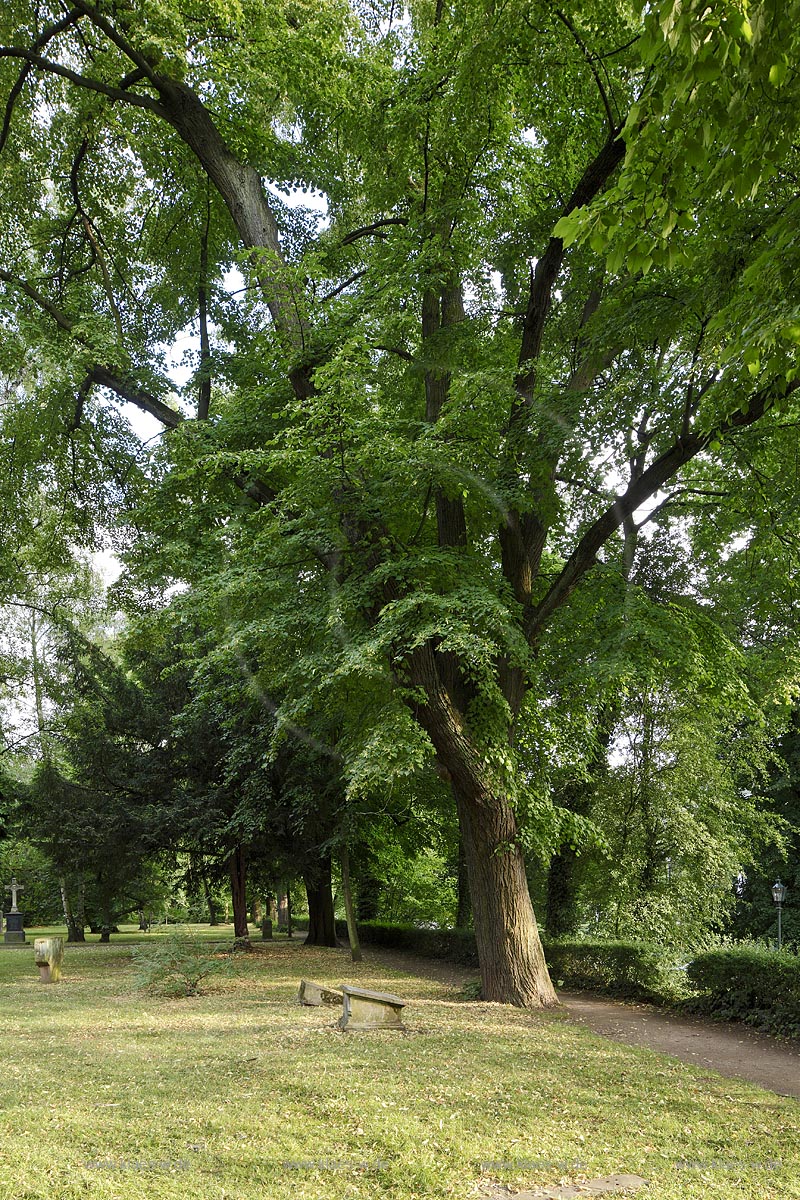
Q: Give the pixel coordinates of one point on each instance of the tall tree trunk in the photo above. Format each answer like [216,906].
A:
[289,911]
[510,954]
[211,904]
[464,909]
[321,924]
[238,873]
[352,928]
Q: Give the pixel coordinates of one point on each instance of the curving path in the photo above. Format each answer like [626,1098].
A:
[730,1049]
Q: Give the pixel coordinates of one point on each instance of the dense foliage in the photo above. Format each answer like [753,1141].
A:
[460,478]
[749,983]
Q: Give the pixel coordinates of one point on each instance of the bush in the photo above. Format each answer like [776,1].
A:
[632,970]
[628,969]
[454,945]
[749,983]
[176,964]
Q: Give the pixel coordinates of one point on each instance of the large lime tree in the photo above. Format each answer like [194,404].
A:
[438,417]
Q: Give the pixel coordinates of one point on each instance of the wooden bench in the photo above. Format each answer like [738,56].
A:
[48,953]
[314,994]
[370,1010]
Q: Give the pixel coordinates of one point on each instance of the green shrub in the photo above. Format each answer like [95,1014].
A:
[454,945]
[749,983]
[634,970]
[628,969]
[176,964]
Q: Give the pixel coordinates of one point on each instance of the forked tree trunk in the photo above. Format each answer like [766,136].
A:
[321,924]
[510,954]
[238,873]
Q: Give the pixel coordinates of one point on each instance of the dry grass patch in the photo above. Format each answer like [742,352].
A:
[240,1093]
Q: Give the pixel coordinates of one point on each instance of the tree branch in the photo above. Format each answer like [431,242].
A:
[368,230]
[44,37]
[568,23]
[84,81]
[665,467]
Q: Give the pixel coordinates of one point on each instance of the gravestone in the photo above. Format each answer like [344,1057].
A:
[49,953]
[364,1009]
[15,930]
[312,995]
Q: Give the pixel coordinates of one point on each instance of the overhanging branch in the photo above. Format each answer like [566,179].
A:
[642,489]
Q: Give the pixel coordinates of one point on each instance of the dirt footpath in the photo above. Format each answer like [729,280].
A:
[732,1050]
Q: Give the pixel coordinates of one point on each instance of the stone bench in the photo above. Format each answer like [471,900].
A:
[48,953]
[314,994]
[370,1010]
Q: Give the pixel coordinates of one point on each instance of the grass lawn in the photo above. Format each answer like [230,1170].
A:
[239,1093]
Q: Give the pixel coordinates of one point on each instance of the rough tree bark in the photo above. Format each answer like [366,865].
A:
[321,923]
[237,867]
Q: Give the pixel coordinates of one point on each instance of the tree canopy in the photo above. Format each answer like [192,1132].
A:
[438,428]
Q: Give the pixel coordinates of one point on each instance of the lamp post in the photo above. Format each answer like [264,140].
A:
[779,895]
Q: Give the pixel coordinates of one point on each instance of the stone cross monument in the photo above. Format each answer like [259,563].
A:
[15,931]
[14,888]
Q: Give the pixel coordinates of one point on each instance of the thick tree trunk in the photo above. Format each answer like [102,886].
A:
[321,924]
[238,873]
[352,928]
[510,954]
[563,913]
[464,909]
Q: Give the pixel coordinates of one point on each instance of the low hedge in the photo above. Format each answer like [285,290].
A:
[748,983]
[632,970]
[453,945]
[628,969]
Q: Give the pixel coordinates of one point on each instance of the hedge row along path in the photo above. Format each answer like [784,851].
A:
[730,1049]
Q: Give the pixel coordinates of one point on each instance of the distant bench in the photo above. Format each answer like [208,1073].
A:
[48,953]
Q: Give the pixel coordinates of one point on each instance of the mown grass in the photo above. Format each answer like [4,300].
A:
[239,1093]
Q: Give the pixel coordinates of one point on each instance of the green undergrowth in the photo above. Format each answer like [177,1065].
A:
[631,970]
[748,983]
[240,1094]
